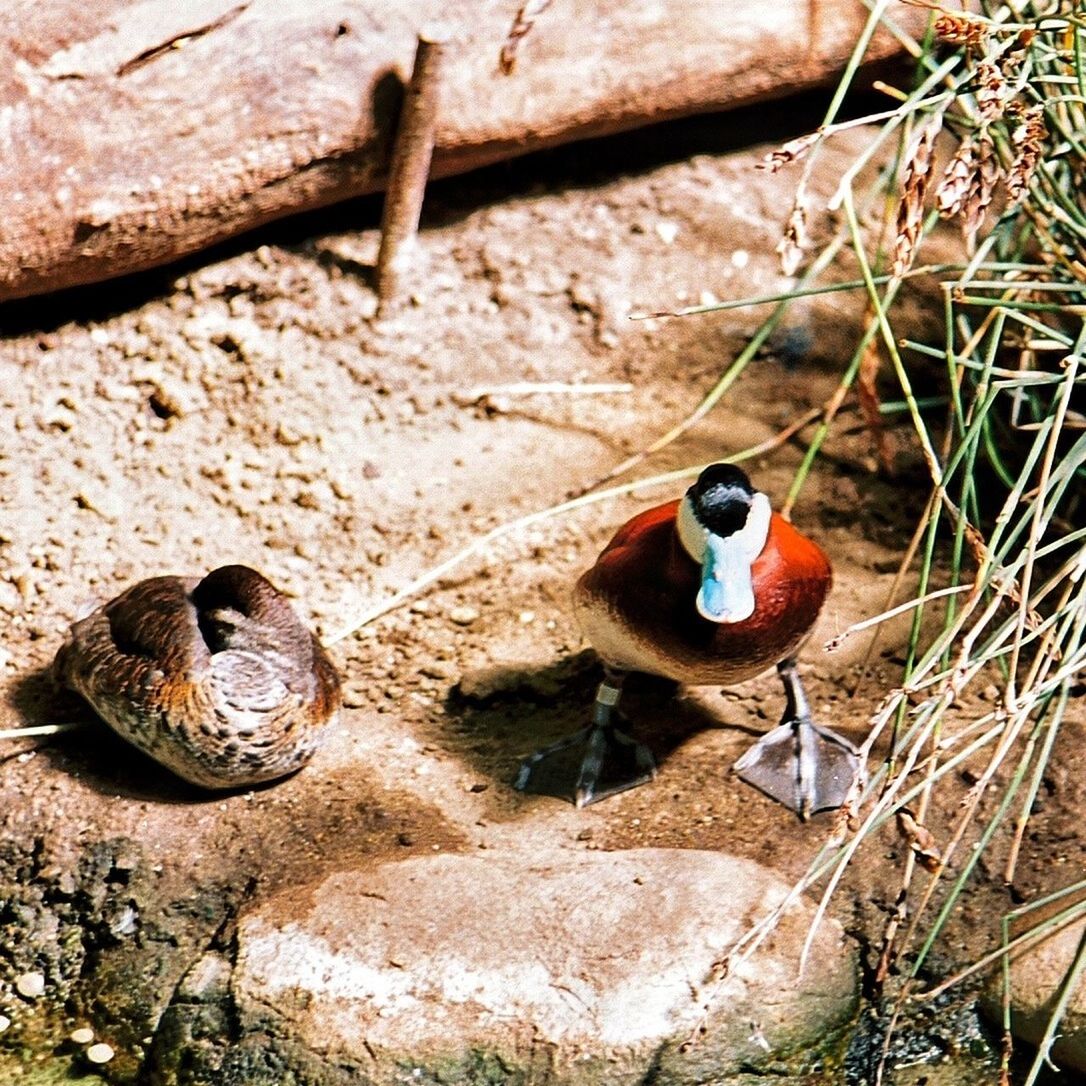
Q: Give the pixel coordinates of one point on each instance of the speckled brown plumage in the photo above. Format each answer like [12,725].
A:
[216,679]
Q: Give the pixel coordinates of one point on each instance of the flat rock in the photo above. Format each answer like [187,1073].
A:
[136,132]
[1037,976]
[568,967]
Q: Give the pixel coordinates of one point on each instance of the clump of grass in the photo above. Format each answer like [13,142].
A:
[990,137]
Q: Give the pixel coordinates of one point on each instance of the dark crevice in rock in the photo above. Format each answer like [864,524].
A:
[201,1004]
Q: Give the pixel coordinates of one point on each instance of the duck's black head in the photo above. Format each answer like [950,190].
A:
[721,499]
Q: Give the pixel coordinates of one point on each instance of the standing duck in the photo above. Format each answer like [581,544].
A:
[216,679]
[713,588]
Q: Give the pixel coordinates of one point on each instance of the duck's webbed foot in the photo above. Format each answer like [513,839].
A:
[806,767]
[595,762]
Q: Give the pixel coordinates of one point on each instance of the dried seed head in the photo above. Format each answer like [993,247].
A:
[1017,52]
[981,185]
[1028,138]
[791,247]
[920,839]
[959,29]
[915,181]
[868,392]
[951,193]
[991,91]
[523,22]
[792,151]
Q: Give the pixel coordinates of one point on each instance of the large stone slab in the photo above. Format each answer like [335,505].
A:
[565,967]
[133,132]
[1036,977]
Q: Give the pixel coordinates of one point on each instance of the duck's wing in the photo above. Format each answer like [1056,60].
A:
[156,620]
[144,639]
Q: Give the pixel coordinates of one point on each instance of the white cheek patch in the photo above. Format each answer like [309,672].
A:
[692,535]
[727,587]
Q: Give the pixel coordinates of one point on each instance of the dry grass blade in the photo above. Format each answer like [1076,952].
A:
[997,544]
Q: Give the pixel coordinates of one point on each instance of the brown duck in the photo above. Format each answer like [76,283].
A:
[713,588]
[216,679]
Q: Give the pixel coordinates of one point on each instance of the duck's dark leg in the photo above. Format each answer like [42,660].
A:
[799,763]
[610,761]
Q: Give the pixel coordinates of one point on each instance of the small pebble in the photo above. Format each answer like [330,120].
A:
[99,1053]
[463,616]
[30,985]
[82,1036]
[4,1022]
[667,231]
[439,669]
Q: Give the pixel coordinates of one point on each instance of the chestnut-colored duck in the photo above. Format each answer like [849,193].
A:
[216,679]
[711,589]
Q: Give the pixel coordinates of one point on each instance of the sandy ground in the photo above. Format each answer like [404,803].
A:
[247,408]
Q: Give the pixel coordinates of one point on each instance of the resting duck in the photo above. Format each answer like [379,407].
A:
[711,589]
[216,679]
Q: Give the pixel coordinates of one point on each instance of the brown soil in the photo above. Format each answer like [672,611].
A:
[247,408]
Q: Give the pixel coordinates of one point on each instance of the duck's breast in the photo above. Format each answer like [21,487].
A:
[637,607]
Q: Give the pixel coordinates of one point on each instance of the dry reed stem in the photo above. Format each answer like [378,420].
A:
[835,642]
[410,168]
[774,442]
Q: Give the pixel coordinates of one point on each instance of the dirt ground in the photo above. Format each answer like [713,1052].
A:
[248,407]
